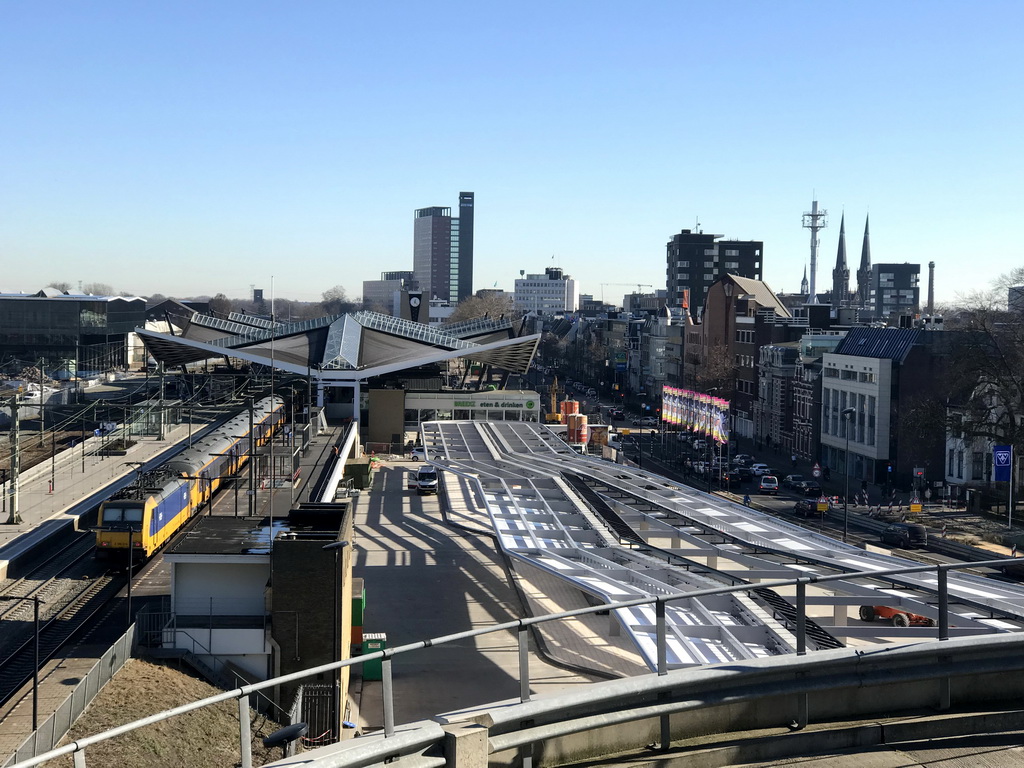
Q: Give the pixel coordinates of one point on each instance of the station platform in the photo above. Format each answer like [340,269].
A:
[51,493]
[45,514]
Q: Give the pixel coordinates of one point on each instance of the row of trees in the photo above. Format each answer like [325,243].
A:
[334,301]
[985,378]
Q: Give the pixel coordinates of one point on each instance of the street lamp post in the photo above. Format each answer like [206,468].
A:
[847,414]
[708,439]
[131,558]
[35,664]
[336,547]
[707,460]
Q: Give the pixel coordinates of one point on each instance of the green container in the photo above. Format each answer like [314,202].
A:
[358,602]
[373,642]
[360,472]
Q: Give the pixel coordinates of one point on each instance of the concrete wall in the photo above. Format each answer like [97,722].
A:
[387,415]
[236,589]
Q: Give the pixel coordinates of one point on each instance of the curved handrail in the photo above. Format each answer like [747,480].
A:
[242,694]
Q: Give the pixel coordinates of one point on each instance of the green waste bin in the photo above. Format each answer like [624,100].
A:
[372,643]
[358,602]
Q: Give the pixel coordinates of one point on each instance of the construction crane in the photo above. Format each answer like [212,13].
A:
[638,287]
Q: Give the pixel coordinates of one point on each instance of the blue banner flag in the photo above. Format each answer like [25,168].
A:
[1002,460]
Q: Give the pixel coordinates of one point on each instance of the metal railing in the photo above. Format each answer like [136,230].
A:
[52,730]
[521,627]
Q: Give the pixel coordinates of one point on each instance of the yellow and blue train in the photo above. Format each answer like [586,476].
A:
[156,508]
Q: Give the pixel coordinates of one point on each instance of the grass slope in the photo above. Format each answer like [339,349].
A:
[207,738]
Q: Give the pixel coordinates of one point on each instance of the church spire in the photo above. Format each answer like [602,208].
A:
[841,274]
[803,283]
[864,271]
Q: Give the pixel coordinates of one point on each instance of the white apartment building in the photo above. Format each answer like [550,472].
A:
[547,294]
[863,384]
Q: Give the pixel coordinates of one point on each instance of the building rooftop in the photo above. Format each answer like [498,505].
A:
[232,536]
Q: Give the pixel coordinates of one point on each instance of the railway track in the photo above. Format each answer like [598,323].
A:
[70,587]
[55,631]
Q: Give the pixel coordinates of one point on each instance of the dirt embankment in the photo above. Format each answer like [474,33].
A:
[207,737]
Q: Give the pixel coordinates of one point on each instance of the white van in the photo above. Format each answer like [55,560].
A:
[426,480]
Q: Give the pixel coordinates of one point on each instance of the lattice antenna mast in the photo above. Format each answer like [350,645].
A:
[814,221]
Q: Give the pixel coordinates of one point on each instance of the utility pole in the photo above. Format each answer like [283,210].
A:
[161,414]
[252,462]
[42,421]
[12,490]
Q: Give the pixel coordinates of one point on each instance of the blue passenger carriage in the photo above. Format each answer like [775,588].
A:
[157,509]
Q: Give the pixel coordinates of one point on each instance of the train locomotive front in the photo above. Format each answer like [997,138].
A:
[151,514]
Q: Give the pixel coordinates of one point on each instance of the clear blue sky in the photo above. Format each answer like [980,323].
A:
[201,147]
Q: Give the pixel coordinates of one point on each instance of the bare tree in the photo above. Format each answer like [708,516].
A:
[61,285]
[221,305]
[986,387]
[493,305]
[717,372]
[98,289]
[336,301]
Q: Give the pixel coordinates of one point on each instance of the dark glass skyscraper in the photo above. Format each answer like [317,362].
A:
[696,260]
[443,250]
[465,245]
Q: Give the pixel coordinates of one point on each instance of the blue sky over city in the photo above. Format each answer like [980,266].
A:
[193,148]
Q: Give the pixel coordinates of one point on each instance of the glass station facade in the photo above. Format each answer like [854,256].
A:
[90,331]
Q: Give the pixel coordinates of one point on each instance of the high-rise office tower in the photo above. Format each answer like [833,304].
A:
[696,260]
[465,245]
[442,258]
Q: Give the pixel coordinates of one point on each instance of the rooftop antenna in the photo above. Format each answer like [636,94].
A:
[814,221]
[696,225]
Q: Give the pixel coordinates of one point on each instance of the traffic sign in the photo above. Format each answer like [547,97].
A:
[816,471]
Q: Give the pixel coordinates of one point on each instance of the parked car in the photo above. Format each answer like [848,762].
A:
[419,453]
[791,481]
[769,484]
[646,421]
[745,474]
[742,460]
[806,508]
[591,392]
[761,469]
[700,445]
[735,477]
[905,535]
[808,488]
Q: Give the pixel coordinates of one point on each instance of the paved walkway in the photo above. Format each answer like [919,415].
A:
[425,578]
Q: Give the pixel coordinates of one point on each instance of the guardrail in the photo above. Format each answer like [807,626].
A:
[935,543]
[521,627]
[52,730]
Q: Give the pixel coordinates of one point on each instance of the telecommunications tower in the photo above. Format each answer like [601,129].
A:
[814,221]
